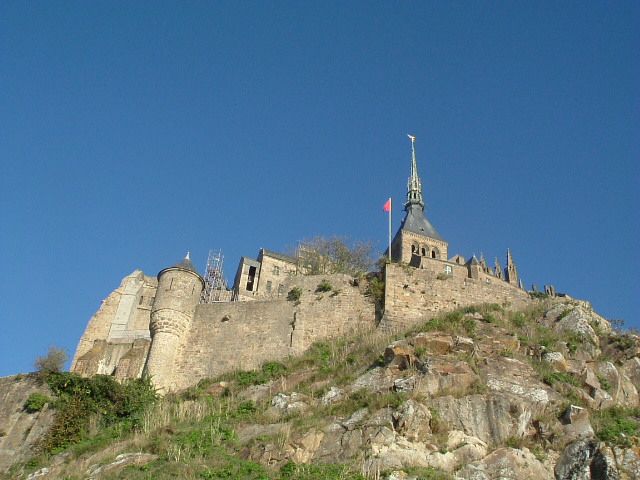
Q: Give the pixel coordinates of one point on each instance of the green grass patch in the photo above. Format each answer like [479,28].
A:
[616,425]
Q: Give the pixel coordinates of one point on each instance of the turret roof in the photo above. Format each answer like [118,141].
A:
[186,264]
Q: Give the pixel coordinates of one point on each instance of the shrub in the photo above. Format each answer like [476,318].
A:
[294,294]
[36,402]
[375,290]
[324,286]
[116,406]
[538,295]
[52,362]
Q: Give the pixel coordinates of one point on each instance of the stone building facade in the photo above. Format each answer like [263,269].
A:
[159,327]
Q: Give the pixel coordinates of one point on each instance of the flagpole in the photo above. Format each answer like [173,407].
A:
[390,205]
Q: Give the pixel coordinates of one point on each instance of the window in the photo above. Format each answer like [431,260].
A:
[280,290]
[276,270]
[424,252]
[269,286]
[250,278]
[448,270]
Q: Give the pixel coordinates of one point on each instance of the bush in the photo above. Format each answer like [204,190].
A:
[53,362]
[36,402]
[294,294]
[115,405]
[324,286]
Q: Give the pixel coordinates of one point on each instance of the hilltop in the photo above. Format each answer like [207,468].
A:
[481,392]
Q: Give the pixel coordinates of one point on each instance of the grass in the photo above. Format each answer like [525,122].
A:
[617,425]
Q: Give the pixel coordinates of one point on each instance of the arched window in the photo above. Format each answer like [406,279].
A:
[413,249]
[435,253]
[424,252]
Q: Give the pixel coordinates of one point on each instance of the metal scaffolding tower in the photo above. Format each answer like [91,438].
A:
[215,285]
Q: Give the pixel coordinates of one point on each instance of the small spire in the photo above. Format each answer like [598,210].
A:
[188,255]
[414,185]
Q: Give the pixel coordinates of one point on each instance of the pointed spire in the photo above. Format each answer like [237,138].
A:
[414,185]
[498,269]
[511,271]
[188,255]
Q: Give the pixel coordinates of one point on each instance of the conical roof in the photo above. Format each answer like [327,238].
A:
[415,221]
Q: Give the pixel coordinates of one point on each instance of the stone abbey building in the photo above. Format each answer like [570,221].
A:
[159,326]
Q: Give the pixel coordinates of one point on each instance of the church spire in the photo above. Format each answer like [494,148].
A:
[414,185]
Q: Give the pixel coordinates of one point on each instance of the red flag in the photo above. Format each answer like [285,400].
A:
[387,206]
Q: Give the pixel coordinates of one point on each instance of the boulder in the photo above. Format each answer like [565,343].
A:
[491,418]
[295,402]
[434,343]
[556,360]
[399,355]
[507,464]
[515,378]
[412,420]
[586,460]
[576,423]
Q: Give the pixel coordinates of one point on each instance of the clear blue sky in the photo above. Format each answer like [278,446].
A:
[133,131]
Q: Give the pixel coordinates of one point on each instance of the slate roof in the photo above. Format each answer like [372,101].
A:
[186,264]
[415,221]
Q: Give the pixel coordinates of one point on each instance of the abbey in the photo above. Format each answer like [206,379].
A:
[172,328]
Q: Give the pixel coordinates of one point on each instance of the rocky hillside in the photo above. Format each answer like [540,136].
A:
[480,393]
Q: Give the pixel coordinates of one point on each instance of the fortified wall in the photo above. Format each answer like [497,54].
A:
[222,336]
[167,328]
[417,294]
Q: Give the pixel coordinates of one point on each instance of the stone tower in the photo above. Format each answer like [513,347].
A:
[178,294]
[416,237]
[511,272]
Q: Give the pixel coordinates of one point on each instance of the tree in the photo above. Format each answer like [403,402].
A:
[321,255]
[53,362]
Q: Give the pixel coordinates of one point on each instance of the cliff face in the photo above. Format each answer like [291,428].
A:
[19,428]
[548,392]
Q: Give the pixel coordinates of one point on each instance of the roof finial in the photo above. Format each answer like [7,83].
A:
[188,255]
[414,186]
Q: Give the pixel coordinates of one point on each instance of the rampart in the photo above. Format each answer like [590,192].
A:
[414,294]
[243,335]
[225,336]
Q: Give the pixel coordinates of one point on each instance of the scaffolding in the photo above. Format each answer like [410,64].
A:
[215,285]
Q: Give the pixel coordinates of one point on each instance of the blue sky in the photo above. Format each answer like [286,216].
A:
[131,132]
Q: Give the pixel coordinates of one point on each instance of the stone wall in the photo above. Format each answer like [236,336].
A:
[243,335]
[413,294]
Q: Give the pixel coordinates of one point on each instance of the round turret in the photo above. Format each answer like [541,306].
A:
[178,294]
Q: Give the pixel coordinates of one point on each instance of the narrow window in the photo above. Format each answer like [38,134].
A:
[250,278]
[280,290]
[276,270]
[433,254]
[269,286]
[424,252]
[141,300]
